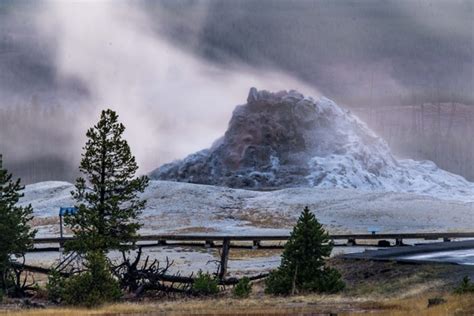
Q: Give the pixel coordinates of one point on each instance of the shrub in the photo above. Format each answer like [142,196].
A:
[329,281]
[435,301]
[303,266]
[466,286]
[55,286]
[243,288]
[94,286]
[205,284]
[16,235]
[278,282]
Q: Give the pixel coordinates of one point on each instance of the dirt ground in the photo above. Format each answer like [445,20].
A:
[378,288]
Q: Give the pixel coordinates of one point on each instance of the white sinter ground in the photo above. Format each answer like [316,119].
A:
[175,207]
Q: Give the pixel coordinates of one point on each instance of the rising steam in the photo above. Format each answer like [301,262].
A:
[172,102]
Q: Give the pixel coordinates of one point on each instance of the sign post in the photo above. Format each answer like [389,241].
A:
[374,230]
[64,211]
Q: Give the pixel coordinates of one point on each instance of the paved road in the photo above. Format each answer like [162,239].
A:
[442,252]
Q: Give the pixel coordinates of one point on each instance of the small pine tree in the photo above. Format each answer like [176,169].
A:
[55,286]
[303,265]
[466,286]
[108,202]
[93,287]
[16,235]
[205,284]
[243,288]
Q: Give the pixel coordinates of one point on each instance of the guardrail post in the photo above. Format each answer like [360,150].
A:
[351,242]
[399,242]
[256,244]
[208,243]
[61,226]
[162,242]
[61,234]
[224,258]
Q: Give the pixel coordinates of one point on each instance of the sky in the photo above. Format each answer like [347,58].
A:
[175,70]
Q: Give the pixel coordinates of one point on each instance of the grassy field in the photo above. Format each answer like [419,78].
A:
[372,287]
[302,305]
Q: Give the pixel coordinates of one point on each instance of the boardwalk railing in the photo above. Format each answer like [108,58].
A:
[231,241]
[209,240]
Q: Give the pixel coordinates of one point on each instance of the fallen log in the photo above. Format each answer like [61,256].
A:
[36,269]
[233,281]
[190,280]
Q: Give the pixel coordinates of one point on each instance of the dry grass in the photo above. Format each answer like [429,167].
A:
[43,221]
[309,304]
[200,229]
[239,254]
[418,305]
[262,219]
[115,309]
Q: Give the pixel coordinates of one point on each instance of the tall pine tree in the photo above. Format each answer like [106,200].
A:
[108,203]
[16,235]
[303,265]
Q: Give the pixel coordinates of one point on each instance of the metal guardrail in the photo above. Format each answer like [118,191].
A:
[212,238]
[187,240]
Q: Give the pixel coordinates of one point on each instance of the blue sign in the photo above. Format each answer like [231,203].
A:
[373,230]
[67,211]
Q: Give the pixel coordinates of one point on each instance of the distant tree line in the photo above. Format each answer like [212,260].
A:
[442,132]
[36,141]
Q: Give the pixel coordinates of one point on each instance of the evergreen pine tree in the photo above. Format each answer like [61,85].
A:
[16,236]
[303,265]
[107,198]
